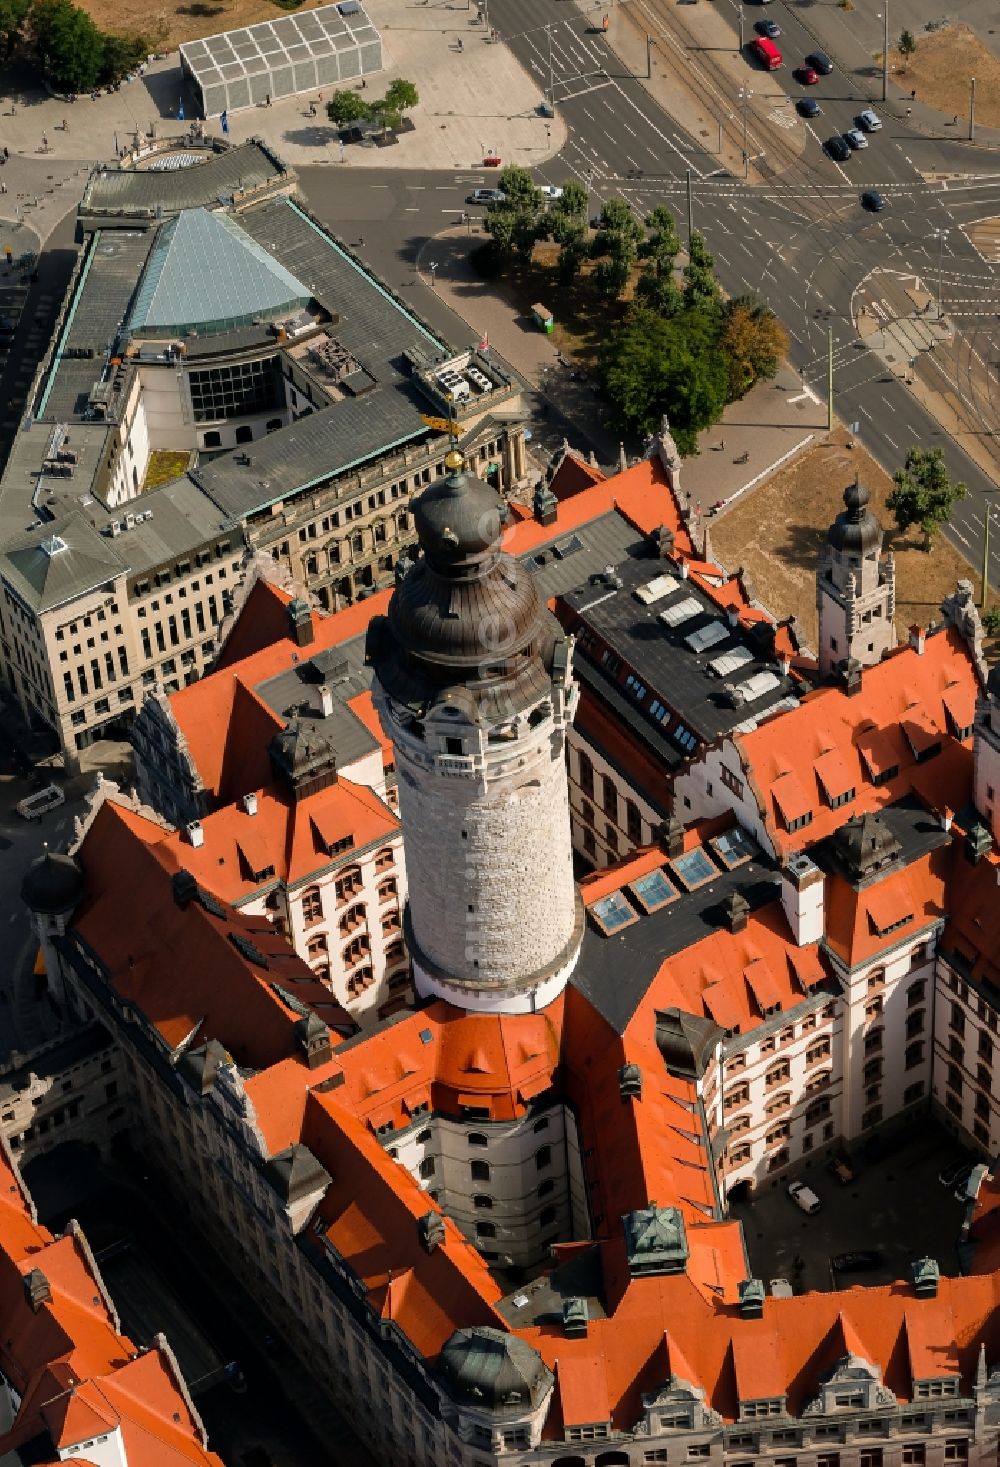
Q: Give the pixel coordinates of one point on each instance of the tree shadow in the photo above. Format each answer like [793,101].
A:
[318,136]
[801,547]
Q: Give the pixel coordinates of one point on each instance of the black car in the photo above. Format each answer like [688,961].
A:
[873,200]
[838,148]
[820,61]
[808,107]
[858,1262]
[769,28]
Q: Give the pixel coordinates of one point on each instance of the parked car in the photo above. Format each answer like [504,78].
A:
[856,138]
[804,1197]
[33,807]
[838,149]
[820,61]
[769,28]
[869,120]
[807,75]
[841,1169]
[486,196]
[808,107]
[549,191]
[873,200]
[860,1261]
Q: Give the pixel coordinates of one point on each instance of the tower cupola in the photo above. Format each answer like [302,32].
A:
[855,587]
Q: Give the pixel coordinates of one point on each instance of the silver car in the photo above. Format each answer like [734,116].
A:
[856,138]
[870,121]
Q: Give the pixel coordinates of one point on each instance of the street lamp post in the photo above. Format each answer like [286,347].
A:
[972,109]
[942,235]
[432,267]
[741,27]
[552,85]
[745,94]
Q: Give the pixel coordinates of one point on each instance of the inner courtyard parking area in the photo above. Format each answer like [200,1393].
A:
[895,1207]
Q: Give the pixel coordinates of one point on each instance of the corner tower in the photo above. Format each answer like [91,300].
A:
[855,587]
[473,686]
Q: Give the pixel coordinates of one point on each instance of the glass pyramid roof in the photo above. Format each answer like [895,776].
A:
[205,272]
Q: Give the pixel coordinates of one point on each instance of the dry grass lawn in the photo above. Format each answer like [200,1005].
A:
[941,68]
[168,22]
[776,532]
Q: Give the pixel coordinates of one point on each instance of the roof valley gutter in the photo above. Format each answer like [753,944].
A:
[56,356]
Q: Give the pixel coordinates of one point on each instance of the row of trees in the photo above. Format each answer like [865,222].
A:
[681,348]
[74,54]
[386,112]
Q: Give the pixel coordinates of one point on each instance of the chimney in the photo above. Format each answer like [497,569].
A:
[196,833]
[630,1082]
[802,899]
[430,1229]
[576,1318]
[36,1288]
[250,802]
[671,835]
[544,504]
[314,1038]
[662,541]
[733,616]
[736,912]
[185,887]
[849,676]
[978,843]
[684,568]
[926,1274]
[301,622]
[784,664]
[752,1299]
[918,636]
[325,701]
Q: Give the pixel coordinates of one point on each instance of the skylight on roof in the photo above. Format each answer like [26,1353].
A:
[653,891]
[693,868]
[54,545]
[733,847]
[425,1036]
[674,616]
[728,662]
[656,589]
[707,636]
[613,913]
[569,546]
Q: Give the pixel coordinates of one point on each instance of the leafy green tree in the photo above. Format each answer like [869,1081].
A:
[121,55]
[658,291]
[656,286]
[574,248]
[516,223]
[572,202]
[753,342]
[13,14]
[651,365]
[612,276]
[991,621]
[907,43]
[701,289]
[924,493]
[663,241]
[402,96]
[618,232]
[347,107]
[70,46]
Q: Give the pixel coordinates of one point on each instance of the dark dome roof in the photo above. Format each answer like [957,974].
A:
[466,615]
[855,531]
[495,1371]
[52,884]
[458,518]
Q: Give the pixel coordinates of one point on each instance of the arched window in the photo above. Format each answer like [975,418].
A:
[586,775]
[546,1216]
[312,904]
[387,889]
[356,950]
[486,1230]
[348,883]
[317,945]
[244,434]
[482,1201]
[384,858]
[360,980]
[352,919]
[479,1170]
[476,1138]
[541,1125]
[543,1158]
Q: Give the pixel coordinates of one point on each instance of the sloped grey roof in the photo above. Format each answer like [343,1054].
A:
[48,578]
[127,190]
[205,271]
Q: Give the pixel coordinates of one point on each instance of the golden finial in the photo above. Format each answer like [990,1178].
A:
[453,460]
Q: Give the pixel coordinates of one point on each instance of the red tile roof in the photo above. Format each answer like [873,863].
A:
[832,743]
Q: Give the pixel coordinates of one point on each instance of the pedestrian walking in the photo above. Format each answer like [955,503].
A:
[45,141]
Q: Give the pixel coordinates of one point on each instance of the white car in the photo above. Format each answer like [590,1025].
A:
[804,1197]
[870,121]
[549,191]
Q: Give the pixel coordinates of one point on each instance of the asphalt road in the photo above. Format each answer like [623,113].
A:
[800,238]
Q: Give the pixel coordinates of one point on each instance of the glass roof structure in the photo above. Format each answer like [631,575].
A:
[205,273]
[278,58]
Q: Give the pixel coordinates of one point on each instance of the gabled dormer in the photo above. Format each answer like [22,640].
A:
[852,1382]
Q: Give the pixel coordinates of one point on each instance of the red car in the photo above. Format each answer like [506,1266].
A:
[807,76]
